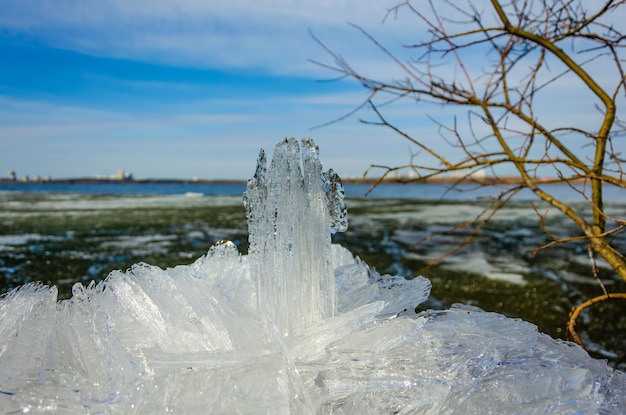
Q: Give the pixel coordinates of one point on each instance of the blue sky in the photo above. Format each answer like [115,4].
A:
[178,89]
[191,88]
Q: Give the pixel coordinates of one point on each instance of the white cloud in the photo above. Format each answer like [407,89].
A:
[271,35]
[43,139]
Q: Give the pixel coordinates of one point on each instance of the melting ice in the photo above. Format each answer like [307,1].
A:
[296,326]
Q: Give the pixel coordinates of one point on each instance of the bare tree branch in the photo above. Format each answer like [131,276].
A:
[530,47]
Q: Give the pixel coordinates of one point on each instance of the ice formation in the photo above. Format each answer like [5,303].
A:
[296,326]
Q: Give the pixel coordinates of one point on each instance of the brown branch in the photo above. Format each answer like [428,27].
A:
[594,268]
[503,93]
[556,240]
[490,210]
[408,137]
[571,323]
[594,87]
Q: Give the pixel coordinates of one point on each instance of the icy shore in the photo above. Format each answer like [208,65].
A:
[297,326]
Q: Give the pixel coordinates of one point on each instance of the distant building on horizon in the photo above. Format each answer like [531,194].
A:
[122,175]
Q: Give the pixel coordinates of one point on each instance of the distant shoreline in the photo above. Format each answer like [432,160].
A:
[87,180]
[372,181]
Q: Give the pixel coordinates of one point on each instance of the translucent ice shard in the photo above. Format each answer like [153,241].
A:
[292,208]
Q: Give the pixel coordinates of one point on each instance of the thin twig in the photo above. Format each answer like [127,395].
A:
[571,323]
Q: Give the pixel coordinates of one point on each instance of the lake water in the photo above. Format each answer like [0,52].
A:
[422,191]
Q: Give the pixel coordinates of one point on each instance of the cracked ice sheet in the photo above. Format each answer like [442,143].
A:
[8,241]
[507,269]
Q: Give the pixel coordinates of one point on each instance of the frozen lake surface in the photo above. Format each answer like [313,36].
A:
[64,238]
[298,325]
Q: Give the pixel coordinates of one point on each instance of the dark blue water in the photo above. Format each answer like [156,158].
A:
[421,191]
[463,192]
[129,188]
